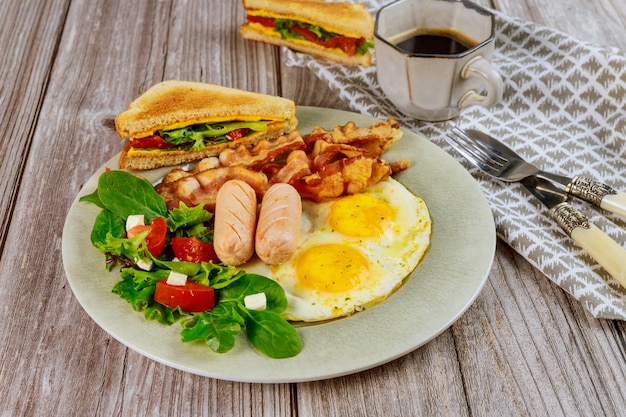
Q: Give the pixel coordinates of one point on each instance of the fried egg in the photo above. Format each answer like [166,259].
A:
[353,252]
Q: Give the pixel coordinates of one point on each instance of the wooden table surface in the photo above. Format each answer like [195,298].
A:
[524,347]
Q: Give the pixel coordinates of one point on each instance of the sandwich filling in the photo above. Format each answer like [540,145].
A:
[198,136]
[293,29]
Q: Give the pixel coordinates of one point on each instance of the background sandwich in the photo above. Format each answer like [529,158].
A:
[337,31]
[177,122]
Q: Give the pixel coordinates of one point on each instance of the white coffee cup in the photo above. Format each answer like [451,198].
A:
[427,82]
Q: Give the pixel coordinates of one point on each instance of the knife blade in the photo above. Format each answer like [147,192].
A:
[604,250]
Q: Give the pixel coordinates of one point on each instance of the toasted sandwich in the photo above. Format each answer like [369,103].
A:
[337,31]
[178,122]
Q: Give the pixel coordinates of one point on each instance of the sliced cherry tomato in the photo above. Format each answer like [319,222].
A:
[265,21]
[348,45]
[156,238]
[306,33]
[192,249]
[191,297]
[155,142]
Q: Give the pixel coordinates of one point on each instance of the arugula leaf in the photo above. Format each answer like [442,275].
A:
[125,194]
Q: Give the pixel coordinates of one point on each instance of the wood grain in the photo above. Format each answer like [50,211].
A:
[524,347]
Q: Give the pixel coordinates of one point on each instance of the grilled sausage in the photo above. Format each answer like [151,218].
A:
[278,228]
[235,222]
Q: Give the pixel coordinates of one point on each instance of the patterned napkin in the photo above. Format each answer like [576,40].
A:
[564,109]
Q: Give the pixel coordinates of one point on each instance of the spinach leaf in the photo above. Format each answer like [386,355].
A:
[218,328]
[272,335]
[186,268]
[92,198]
[125,194]
[268,332]
[107,224]
[252,284]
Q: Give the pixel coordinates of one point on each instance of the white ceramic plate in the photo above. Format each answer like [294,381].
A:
[433,297]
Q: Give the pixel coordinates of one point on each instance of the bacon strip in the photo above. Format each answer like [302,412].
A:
[375,139]
[201,188]
[263,152]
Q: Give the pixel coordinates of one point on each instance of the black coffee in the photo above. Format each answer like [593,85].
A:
[435,42]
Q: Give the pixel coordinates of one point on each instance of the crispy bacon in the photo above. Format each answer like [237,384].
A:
[201,188]
[263,152]
[323,164]
[343,177]
[375,139]
[296,167]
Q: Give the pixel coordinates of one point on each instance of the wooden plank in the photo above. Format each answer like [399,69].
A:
[599,22]
[28,39]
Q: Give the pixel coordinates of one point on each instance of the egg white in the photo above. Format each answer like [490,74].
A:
[390,255]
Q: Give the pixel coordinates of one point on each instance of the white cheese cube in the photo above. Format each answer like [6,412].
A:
[134,220]
[176,278]
[256,301]
[145,264]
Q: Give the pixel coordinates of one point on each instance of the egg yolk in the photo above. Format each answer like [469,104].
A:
[331,268]
[360,215]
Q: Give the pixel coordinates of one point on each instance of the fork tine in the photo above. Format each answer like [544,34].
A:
[481,147]
[476,152]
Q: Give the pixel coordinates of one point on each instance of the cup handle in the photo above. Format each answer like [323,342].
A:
[480,67]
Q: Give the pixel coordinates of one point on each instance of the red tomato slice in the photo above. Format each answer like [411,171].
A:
[306,33]
[346,44]
[156,238]
[155,141]
[265,21]
[192,249]
[191,297]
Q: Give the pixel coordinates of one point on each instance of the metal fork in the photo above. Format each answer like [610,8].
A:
[499,161]
[496,159]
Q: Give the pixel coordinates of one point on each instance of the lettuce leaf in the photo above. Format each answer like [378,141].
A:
[198,136]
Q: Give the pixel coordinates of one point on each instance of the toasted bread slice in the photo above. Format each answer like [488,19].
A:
[175,104]
[347,19]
